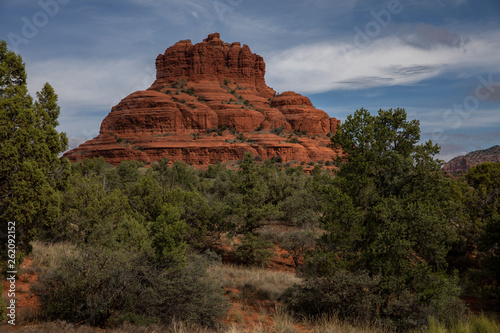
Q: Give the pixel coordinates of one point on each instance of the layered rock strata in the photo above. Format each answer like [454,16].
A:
[209,104]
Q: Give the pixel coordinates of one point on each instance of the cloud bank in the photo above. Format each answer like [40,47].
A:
[386,61]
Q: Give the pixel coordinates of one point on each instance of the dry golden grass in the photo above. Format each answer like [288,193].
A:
[283,323]
[49,255]
[259,282]
[331,324]
[264,283]
[476,324]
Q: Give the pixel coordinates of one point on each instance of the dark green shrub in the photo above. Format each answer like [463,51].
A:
[301,208]
[88,287]
[90,212]
[98,283]
[254,251]
[178,84]
[89,167]
[276,159]
[241,137]
[188,294]
[348,295]
[299,132]
[360,297]
[277,130]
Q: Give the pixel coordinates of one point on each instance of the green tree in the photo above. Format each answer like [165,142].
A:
[254,250]
[297,243]
[484,228]
[253,206]
[388,215]
[29,147]
[90,167]
[124,176]
[204,219]
[90,212]
[148,197]
[167,236]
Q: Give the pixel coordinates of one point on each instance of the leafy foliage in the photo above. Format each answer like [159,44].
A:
[252,206]
[388,215]
[30,172]
[297,243]
[98,283]
[485,222]
[254,251]
[348,294]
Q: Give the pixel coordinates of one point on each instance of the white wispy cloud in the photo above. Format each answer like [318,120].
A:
[386,61]
[180,12]
[87,89]
[91,82]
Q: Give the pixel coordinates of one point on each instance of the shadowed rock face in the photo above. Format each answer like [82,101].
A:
[465,162]
[210,103]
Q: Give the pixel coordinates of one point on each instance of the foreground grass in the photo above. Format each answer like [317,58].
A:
[244,284]
[475,324]
[283,323]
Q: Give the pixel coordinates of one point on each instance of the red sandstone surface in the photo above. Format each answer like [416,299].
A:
[465,162]
[210,103]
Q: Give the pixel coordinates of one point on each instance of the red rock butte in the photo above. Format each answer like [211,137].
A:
[210,103]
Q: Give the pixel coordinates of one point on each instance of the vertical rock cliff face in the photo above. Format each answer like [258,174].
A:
[212,60]
[210,103]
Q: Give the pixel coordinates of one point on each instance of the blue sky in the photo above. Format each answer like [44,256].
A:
[438,59]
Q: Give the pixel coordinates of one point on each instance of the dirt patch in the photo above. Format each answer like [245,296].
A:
[26,303]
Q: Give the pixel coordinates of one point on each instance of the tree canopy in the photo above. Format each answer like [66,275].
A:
[388,222]
[29,147]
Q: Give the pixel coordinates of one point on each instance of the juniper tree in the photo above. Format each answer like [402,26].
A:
[30,170]
[388,223]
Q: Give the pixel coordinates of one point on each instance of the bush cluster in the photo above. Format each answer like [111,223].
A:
[138,231]
[100,285]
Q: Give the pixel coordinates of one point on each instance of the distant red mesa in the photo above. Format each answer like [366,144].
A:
[210,103]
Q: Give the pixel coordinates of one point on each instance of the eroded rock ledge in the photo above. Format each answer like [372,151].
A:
[210,103]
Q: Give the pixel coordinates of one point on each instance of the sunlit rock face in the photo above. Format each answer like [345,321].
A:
[210,103]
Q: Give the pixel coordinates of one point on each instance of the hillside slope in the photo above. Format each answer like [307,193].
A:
[465,162]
